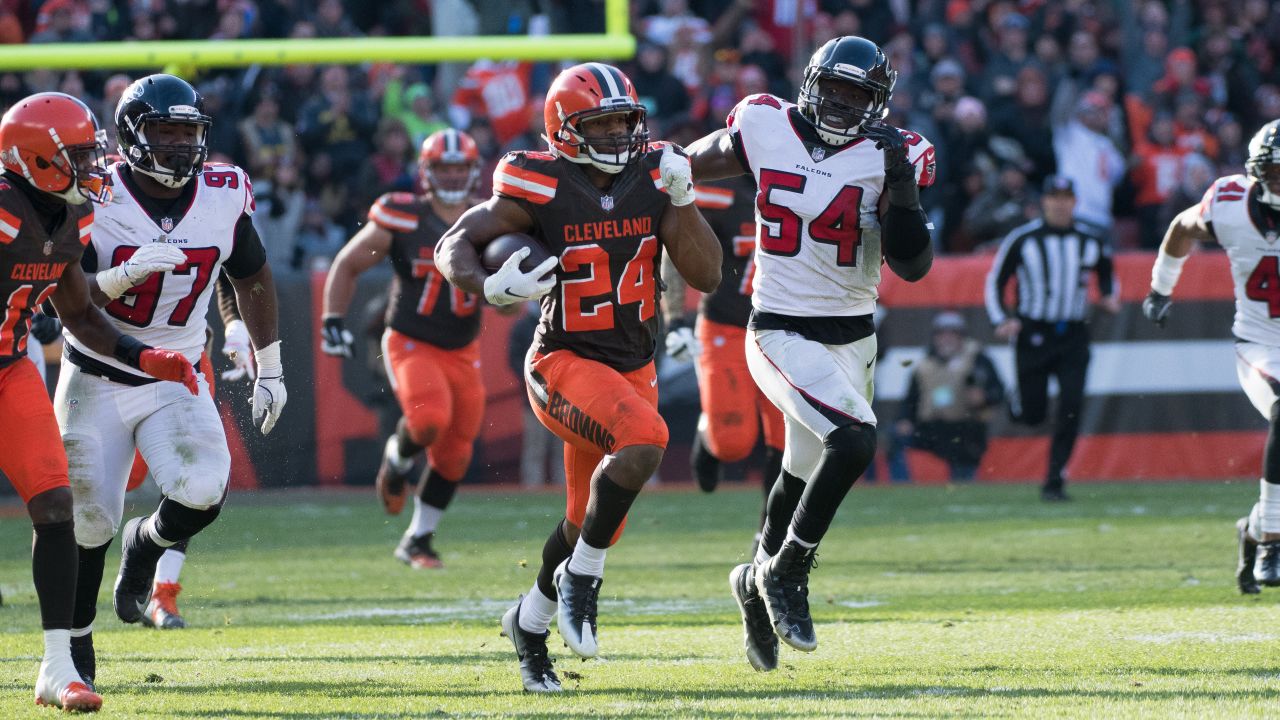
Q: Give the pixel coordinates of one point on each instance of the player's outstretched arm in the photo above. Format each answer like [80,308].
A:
[713,157]
[458,252]
[91,327]
[1184,232]
[366,249]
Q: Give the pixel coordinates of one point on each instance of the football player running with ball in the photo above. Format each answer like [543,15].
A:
[54,158]
[430,346]
[838,190]
[605,203]
[173,224]
[1242,214]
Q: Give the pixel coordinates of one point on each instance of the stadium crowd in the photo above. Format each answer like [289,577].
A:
[1142,104]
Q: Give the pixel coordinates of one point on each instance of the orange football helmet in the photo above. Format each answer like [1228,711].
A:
[449,147]
[587,91]
[53,140]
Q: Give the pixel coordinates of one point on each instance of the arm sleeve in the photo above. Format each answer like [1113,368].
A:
[247,253]
[226,300]
[905,239]
[1005,265]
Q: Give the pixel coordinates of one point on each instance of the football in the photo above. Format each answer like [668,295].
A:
[501,248]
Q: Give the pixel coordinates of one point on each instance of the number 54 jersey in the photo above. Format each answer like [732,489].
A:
[210,222]
[1242,226]
[817,210]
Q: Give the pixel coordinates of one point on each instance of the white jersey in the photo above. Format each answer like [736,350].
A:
[1254,253]
[168,309]
[817,211]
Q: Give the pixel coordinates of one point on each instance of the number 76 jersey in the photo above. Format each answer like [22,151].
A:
[168,309]
[817,210]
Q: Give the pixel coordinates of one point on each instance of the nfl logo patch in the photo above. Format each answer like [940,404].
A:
[606,202]
[166,224]
[818,153]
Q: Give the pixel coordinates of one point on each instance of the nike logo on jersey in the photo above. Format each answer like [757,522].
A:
[653,382]
[871,362]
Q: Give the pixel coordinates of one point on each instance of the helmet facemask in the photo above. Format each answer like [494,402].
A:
[839,123]
[183,161]
[449,189]
[609,154]
[1264,167]
[87,165]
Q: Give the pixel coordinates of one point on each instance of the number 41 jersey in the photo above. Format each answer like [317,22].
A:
[1241,225]
[205,221]
[817,209]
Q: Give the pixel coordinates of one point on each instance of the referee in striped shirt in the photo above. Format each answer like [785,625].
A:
[1052,259]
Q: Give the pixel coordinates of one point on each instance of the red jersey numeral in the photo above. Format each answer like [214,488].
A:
[838,224]
[201,262]
[461,303]
[219,179]
[137,306]
[588,301]
[18,303]
[1264,284]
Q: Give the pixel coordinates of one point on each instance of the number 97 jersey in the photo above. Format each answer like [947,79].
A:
[209,222]
[817,210]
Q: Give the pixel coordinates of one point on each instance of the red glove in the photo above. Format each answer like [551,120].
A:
[168,365]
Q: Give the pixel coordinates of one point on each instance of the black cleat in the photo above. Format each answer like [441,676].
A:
[1245,580]
[706,467]
[536,668]
[760,640]
[1054,495]
[83,657]
[783,584]
[133,584]
[576,610]
[417,553]
[1267,567]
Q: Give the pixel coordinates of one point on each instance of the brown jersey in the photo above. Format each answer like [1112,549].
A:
[729,207]
[32,260]
[604,304]
[423,305]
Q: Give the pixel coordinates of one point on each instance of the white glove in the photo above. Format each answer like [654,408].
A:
[269,395]
[682,344]
[236,346]
[150,258]
[677,175]
[510,285]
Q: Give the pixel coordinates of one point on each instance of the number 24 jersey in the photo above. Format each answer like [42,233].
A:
[817,209]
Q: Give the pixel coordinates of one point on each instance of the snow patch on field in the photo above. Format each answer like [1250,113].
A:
[1203,636]
[481,609]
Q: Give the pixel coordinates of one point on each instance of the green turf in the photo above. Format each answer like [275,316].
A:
[931,602]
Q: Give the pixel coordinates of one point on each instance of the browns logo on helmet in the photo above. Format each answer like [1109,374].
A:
[587,91]
[449,165]
[53,140]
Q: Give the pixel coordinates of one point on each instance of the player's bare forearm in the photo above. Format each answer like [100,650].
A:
[82,318]
[256,298]
[692,245]
[98,297]
[458,252]
[365,250]
[713,158]
[1187,229]
[674,294]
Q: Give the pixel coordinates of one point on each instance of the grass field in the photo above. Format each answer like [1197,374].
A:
[976,601]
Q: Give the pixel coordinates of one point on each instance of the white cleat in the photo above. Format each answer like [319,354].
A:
[576,610]
[537,670]
[60,686]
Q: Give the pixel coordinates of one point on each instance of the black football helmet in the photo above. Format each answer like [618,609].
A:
[167,99]
[854,60]
[1263,164]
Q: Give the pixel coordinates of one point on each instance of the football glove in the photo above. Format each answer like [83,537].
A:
[335,338]
[1155,307]
[236,346]
[149,259]
[269,395]
[682,344]
[168,365]
[44,328]
[899,173]
[510,285]
[677,175]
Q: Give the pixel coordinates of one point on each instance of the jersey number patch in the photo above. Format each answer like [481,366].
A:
[1264,284]
[588,302]
[462,304]
[837,225]
[137,306]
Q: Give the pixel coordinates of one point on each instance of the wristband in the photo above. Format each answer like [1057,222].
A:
[268,359]
[1166,271]
[129,350]
[113,282]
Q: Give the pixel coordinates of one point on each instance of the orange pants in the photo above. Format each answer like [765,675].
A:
[730,399]
[442,397]
[138,472]
[595,410]
[31,452]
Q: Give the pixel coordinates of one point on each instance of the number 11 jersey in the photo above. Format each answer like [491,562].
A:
[817,210]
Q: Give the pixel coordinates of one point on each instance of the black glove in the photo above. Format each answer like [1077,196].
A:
[335,339]
[44,328]
[899,173]
[1156,308]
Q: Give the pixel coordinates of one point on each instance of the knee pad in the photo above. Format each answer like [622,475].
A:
[730,443]
[177,522]
[202,494]
[853,444]
[94,525]
[424,423]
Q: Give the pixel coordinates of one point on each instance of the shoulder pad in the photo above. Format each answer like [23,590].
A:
[524,175]
[393,212]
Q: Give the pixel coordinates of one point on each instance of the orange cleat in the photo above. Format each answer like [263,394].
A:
[59,686]
[416,552]
[162,612]
[392,480]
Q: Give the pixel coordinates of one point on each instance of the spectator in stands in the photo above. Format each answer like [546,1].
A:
[662,94]
[1089,158]
[1157,167]
[62,21]
[1006,204]
[412,104]
[280,201]
[953,395]
[387,169]
[1012,54]
[339,122]
[1025,119]
[1197,173]
[498,91]
[332,22]
[266,140]
[675,16]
